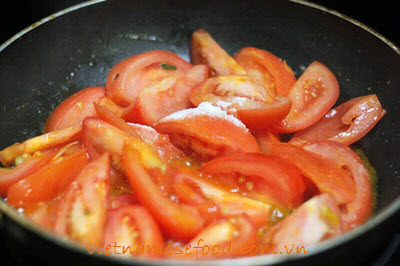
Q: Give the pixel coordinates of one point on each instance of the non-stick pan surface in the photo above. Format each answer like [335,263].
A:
[76,48]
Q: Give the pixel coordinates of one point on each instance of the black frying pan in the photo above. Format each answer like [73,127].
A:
[75,49]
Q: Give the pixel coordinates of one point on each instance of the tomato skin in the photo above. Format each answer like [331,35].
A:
[237,233]
[314,221]
[324,173]
[360,209]
[205,50]
[267,70]
[133,219]
[171,94]
[178,221]
[283,182]
[207,132]
[346,123]
[26,168]
[74,109]
[130,76]
[82,211]
[47,182]
[312,95]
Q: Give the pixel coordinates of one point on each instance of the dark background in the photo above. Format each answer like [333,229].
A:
[379,15]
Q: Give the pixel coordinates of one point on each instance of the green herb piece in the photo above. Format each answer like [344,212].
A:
[168,67]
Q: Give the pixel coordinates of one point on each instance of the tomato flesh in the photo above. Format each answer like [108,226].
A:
[171,94]
[205,50]
[324,173]
[74,109]
[346,123]
[178,221]
[360,209]
[47,182]
[312,95]
[82,211]
[130,227]
[207,132]
[130,76]
[283,183]
[267,70]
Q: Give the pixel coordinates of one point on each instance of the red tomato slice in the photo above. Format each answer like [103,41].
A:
[205,50]
[207,132]
[99,137]
[39,143]
[47,182]
[176,220]
[264,138]
[266,69]
[312,95]
[129,77]
[314,221]
[228,203]
[230,237]
[243,98]
[133,226]
[29,165]
[360,209]
[325,174]
[281,181]
[346,123]
[171,94]
[74,109]
[82,210]
[228,86]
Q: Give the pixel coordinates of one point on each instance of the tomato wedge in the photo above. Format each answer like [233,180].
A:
[274,178]
[176,220]
[207,132]
[48,182]
[266,69]
[130,76]
[28,166]
[346,123]
[82,211]
[245,99]
[74,109]
[324,173]
[39,143]
[171,94]
[205,50]
[134,230]
[360,209]
[228,203]
[312,95]
[229,237]
[225,86]
[99,137]
[314,221]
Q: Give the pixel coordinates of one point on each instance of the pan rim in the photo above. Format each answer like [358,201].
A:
[376,220]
